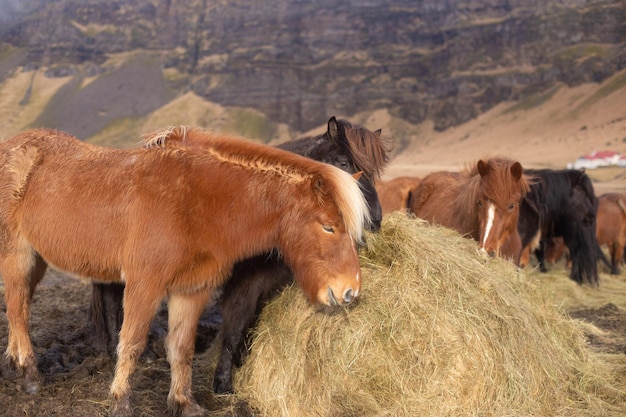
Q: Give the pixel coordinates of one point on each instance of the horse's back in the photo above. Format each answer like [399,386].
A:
[432,198]
[394,193]
[54,206]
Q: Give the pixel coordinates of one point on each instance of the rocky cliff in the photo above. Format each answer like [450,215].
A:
[298,61]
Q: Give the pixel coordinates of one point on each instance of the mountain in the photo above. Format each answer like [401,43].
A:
[270,70]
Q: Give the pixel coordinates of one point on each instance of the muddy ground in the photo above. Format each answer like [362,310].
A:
[77,377]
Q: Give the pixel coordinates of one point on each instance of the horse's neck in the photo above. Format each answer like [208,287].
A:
[248,209]
[465,205]
[304,146]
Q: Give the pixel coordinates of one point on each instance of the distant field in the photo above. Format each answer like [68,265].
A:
[608,179]
[607,173]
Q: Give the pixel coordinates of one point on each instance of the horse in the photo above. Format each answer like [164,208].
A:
[555,249]
[255,281]
[168,222]
[394,194]
[562,203]
[481,202]
[611,226]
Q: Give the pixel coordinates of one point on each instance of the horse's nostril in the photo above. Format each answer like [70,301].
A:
[331,297]
[492,254]
[348,296]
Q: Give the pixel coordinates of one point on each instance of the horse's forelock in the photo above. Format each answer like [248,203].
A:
[369,150]
[500,179]
[350,202]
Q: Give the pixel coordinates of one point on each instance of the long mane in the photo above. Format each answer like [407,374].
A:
[467,190]
[368,150]
[262,158]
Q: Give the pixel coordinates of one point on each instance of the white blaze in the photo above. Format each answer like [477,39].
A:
[491,212]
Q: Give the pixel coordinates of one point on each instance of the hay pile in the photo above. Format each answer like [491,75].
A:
[438,331]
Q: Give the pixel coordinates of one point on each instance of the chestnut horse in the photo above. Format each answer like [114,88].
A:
[611,226]
[167,222]
[394,194]
[256,280]
[481,202]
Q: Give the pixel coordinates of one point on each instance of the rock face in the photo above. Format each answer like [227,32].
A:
[299,61]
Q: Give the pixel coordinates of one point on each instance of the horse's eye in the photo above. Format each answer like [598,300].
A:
[480,203]
[328,228]
[511,207]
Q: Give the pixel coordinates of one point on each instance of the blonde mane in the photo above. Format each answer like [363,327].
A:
[292,167]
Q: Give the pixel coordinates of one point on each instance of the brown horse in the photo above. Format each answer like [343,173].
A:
[611,226]
[168,222]
[394,194]
[481,202]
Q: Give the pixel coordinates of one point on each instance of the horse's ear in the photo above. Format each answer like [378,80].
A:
[357,175]
[378,132]
[333,128]
[517,170]
[483,168]
[579,177]
[319,188]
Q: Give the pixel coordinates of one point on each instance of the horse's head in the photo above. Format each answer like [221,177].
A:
[353,148]
[502,186]
[319,237]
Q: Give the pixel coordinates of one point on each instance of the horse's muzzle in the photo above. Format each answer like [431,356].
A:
[348,296]
[489,253]
[374,226]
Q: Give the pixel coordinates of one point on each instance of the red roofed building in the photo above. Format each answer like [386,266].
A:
[598,159]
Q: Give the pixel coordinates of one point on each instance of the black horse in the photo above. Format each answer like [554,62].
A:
[256,280]
[562,203]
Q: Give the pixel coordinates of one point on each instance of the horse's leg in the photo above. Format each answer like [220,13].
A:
[540,253]
[524,257]
[102,323]
[253,282]
[114,313]
[96,322]
[616,253]
[36,275]
[184,312]
[140,306]
[22,271]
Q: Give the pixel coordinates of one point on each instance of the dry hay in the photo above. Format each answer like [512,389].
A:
[438,331]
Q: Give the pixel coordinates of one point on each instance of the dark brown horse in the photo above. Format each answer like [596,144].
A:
[394,194]
[254,281]
[481,202]
[562,203]
[168,221]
